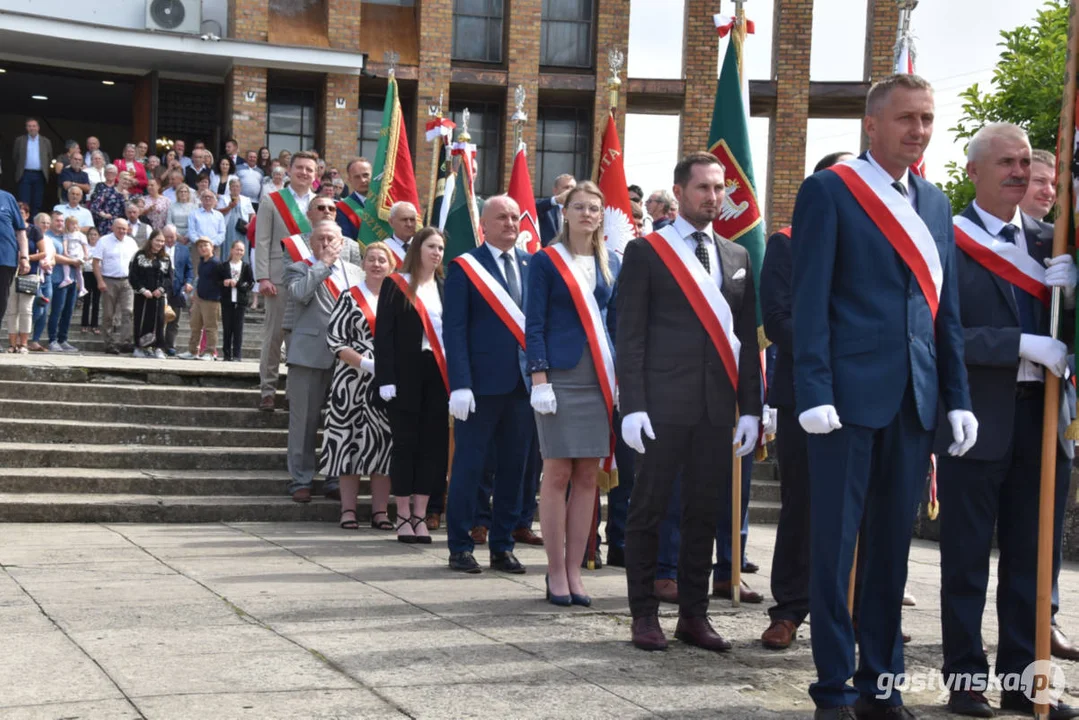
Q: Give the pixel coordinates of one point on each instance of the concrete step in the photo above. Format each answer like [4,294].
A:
[766,490]
[138,508]
[206,483]
[111,369]
[108,411]
[222,459]
[94,344]
[127,396]
[763,513]
[94,432]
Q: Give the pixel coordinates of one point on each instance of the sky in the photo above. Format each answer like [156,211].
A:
[952,60]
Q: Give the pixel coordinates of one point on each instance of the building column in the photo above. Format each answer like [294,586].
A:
[338,125]
[612,33]
[245,106]
[882,25]
[249,20]
[436,46]
[700,58]
[343,24]
[523,56]
[791,48]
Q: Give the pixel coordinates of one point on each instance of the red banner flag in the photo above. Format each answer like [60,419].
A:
[521,190]
[618,215]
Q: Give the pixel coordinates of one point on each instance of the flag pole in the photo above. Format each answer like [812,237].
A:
[434,111]
[1062,227]
[738,38]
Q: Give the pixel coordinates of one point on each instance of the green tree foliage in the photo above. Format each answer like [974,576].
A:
[1026,91]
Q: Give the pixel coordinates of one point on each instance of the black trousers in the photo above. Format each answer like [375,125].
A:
[421,438]
[91,302]
[7,276]
[232,327]
[148,316]
[790,562]
[701,455]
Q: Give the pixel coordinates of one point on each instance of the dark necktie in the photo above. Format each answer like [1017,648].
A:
[1024,301]
[702,251]
[511,278]
[900,188]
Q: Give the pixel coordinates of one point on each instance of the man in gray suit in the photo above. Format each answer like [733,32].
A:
[310,362]
[33,160]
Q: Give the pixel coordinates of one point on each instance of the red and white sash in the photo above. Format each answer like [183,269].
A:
[900,223]
[396,253]
[368,303]
[298,251]
[432,326]
[496,296]
[703,294]
[592,322]
[1005,260]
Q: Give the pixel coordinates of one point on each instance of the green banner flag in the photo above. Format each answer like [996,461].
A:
[461,232]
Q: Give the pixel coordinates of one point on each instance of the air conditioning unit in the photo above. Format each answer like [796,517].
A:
[177,16]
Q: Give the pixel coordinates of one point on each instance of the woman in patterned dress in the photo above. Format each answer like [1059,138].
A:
[356,439]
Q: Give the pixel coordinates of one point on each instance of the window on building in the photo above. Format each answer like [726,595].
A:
[477,30]
[564,138]
[290,120]
[369,122]
[566,34]
[485,128]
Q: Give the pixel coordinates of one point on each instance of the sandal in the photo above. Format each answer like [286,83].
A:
[381,524]
[410,539]
[349,524]
[415,522]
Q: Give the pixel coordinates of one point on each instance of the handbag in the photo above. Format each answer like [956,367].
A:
[27,284]
[241,226]
[170,314]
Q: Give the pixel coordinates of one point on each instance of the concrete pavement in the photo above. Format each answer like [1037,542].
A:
[302,620]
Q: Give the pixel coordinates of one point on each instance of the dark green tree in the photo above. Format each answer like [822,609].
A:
[1027,91]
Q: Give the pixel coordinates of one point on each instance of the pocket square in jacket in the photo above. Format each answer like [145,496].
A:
[739,274]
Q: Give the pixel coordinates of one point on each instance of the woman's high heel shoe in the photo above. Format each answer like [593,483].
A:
[583,600]
[560,600]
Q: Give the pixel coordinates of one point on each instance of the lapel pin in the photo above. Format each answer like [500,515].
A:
[739,274]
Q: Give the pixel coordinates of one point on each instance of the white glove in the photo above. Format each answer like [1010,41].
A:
[964,431]
[632,427]
[462,402]
[543,400]
[770,419]
[1061,273]
[1046,351]
[388,392]
[820,420]
[367,364]
[745,435]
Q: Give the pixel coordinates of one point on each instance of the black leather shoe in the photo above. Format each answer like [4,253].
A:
[464,562]
[616,556]
[750,567]
[507,562]
[969,703]
[865,710]
[845,712]
[1015,701]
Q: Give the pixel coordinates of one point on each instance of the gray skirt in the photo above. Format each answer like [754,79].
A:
[580,427]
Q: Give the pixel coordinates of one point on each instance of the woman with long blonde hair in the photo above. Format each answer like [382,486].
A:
[568,392]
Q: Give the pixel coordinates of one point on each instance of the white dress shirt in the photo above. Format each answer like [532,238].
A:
[33,153]
[1028,371]
[398,246]
[911,192]
[497,254]
[302,200]
[685,231]
[115,255]
[428,294]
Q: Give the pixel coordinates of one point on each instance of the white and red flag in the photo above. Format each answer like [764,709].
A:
[520,189]
[617,215]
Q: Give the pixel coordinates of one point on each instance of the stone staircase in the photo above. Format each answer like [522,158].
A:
[95,438]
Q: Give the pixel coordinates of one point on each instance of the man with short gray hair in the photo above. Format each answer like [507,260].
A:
[658,206]
[403,219]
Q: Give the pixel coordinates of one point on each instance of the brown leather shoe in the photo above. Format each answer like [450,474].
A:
[779,635]
[723,590]
[906,636]
[526,536]
[479,535]
[303,495]
[1061,646]
[666,591]
[647,634]
[698,631]
[266,404]
[433,520]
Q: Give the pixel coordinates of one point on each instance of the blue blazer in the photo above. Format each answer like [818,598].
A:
[347,228]
[182,272]
[548,213]
[861,327]
[481,352]
[554,336]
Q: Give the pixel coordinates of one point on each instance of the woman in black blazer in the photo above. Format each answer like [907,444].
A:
[409,372]
[236,281]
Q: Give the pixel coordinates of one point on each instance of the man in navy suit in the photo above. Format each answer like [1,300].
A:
[488,397]
[878,347]
[995,486]
[550,209]
[182,275]
[359,179]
